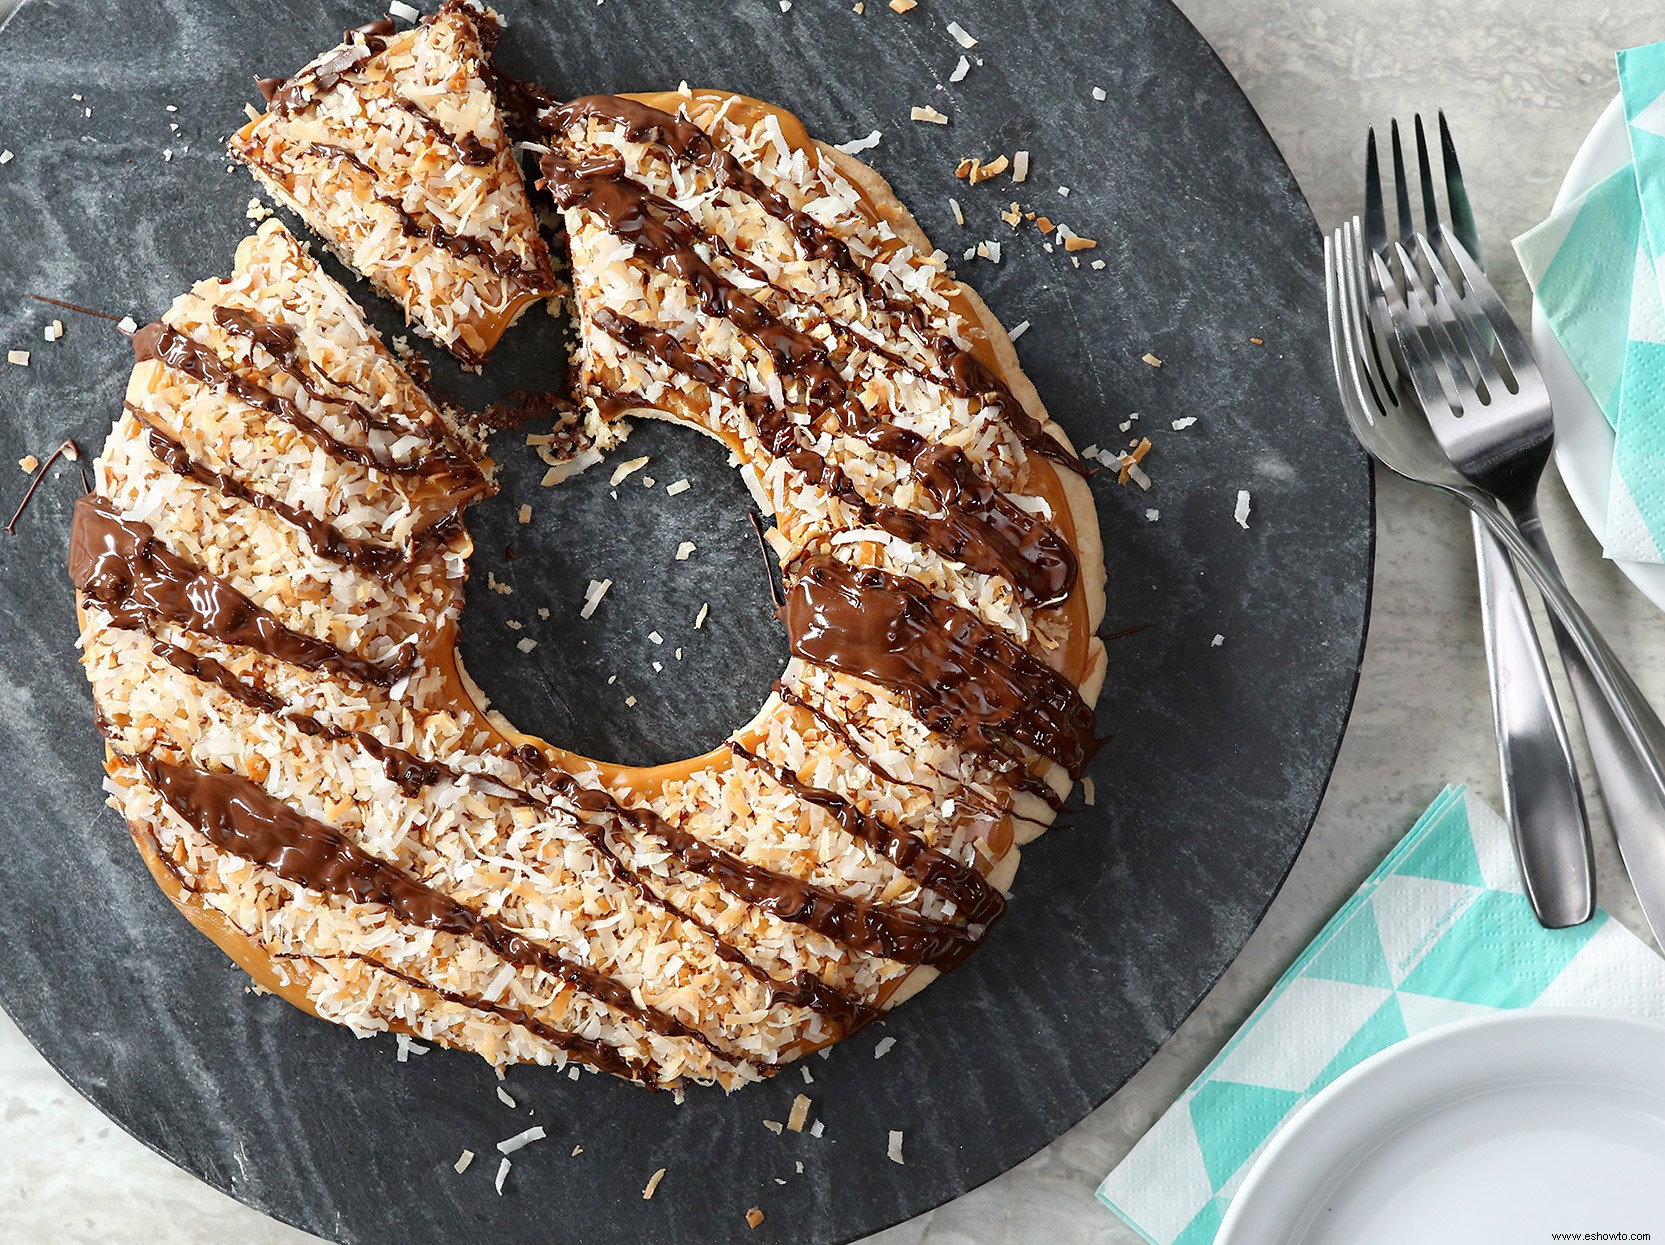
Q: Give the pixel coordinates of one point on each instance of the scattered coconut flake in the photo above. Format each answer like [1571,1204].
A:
[808,1078]
[527,645]
[1088,792]
[502,1175]
[699,619]
[1180,425]
[399,9]
[902,6]
[1098,93]
[6,156]
[128,325]
[647,481]
[521,1140]
[677,489]
[1241,513]
[543,611]
[1020,166]
[624,470]
[1217,641]
[525,514]
[28,462]
[592,596]
[1137,474]
[774,1126]
[1151,516]
[800,1114]
[503,1096]
[960,71]
[630,701]
[652,1184]
[893,1152]
[656,637]
[927,113]
[19,357]
[883,1047]
[498,586]
[1151,359]
[960,36]
[576,1151]
[577,463]
[1063,192]
[1019,329]
[817,1128]
[408,1047]
[785,6]
[983,172]
[959,216]
[463,1160]
[856,145]
[1075,242]
[754,1216]
[684,549]
[1096,265]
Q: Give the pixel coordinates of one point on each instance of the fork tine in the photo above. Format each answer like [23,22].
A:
[1516,350]
[1425,175]
[1449,362]
[1375,214]
[1426,355]
[1374,388]
[1471,341]
[1456,197]
[1401,188]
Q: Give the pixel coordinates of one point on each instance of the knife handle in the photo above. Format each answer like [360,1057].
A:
[1541,794]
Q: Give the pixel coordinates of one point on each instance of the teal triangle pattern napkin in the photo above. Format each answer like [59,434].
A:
[1596,268]
[1440,932]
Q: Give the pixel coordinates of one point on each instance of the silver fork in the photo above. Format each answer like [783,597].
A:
[1541,795]
[1406,445]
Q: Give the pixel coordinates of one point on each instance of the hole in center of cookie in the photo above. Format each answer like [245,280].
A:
[575,683]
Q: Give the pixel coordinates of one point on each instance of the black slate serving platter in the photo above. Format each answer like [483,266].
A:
[1123,916]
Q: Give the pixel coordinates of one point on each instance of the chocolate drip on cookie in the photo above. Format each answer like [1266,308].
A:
[240,817]
[961,676]
[121,566]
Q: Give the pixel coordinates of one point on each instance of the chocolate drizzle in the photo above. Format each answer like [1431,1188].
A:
[978,901]
[962,678]
[186,355]
[966,375]
[241,818]
[122,567]
[327,540]
[980,526]
[470,150]
[872,928]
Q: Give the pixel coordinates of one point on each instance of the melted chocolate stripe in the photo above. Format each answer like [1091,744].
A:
[412,773]
[463,246]
[327,540]
[981,527]
[686,141]
[190,357]
[597,1054]
[240,817]
[979,902]
[871,928]
[470,150]
[961,676]
[121,566]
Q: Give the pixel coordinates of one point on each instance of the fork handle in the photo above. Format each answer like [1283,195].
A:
[1638,810]
[1541,795]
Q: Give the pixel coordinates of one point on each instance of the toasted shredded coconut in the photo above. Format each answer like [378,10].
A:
[592,596]
[893,1152]
[858,145]
[1019,329]
[754,1216]
[1020,166]
[19,357]
[28,462]
[463,1160]
[625,469]
[507,1101]
[521,1140]
[652,1184]
[927,113]
[502,1175]
[684,549]
[800,1114]
[960,36]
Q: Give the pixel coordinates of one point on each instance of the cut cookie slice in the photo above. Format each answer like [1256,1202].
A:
[392,147]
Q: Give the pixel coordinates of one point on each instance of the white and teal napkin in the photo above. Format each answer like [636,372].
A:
[1439,933]
[1596,269]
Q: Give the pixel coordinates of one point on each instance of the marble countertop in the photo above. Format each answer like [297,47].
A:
[1522,81]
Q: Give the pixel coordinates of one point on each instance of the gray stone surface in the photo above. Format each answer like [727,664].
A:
[1522,82]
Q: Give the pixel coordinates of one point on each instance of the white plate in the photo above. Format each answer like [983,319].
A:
[1583,437]
[1497,1131]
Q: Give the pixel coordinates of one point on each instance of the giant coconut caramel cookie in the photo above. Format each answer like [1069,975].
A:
[271,575]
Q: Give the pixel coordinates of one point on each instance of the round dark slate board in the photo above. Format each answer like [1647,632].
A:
[1122,918]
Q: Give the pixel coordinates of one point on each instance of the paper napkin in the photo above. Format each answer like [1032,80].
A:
[1599,261]
[1440,932]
